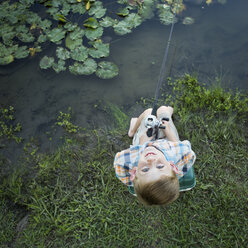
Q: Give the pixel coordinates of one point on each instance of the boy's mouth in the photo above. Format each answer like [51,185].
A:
[150,153]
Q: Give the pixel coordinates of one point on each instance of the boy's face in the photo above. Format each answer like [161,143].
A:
[152,165]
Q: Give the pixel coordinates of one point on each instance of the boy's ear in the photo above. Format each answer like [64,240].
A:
[133,173]
[174,167]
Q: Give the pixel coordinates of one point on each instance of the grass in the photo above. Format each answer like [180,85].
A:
[73,199]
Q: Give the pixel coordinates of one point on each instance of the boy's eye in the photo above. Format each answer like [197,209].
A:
[160,166]
[145,169]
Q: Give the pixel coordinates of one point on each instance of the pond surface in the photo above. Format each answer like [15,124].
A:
[215,46]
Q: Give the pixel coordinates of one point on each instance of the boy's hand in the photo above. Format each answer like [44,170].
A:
[167,131]
[165,124]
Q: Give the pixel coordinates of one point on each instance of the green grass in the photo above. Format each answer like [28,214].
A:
[74,199]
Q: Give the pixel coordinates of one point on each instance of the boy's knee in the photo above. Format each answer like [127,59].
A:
[148,111]
[164,109]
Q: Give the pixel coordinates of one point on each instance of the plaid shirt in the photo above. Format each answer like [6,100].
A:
[179,153]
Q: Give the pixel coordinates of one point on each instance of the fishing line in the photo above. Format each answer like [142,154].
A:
[162,69]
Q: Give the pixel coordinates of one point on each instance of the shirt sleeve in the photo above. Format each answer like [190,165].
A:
[187,159]
[121,168]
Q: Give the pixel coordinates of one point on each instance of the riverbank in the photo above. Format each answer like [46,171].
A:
[72,198]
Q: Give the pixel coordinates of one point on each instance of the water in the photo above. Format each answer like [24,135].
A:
[216,45]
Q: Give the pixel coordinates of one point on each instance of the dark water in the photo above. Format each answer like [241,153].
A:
[215,47]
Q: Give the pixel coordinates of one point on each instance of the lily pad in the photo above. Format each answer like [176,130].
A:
[97,10]
[80,53]
[45,24]
[123,12]
[107,22]
[66,8]
[26,37]
[93,34]
[107,70]
[21,29]
[131,21]
[6,60]
[56,35]
[188,20]
[100,50]
[72,44]
[21,52]
[42,38]
[62,53]
[78,8]
[70,26]
[165,15]
[77,33]
[147,10]
[53,11]
[46,62]
[86,68]
[91,23]
[121,28]
[60,66]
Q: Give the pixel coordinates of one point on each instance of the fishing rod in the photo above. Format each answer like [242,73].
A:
[151,121]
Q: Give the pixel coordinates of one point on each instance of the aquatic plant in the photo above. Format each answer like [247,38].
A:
[76,27]
[8,128]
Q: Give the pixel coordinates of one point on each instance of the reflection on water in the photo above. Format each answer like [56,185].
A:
[215,46]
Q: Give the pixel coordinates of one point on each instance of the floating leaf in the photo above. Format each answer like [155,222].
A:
[107,70]
[6,60]
[46,62]
[45,24]
[93,34]
[97,10]
[87,6]
[66,9]
[32,18]
[147,10]
[78,8]
[80,54]
[42,38]
[86,68]
[70,26]
[56,34]
[60,66]
[61,18]
[133,20]
[165,15]
[100,50]
[6,51]
[53,11]
[26,37]
[72,44]
[121,28]
[91,23]
[77,33]
[62,53]
[107,22]
[123,12]
[21,29]
[21,52]
[188,20]
[125,26]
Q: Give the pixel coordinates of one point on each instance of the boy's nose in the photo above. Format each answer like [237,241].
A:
[151,159]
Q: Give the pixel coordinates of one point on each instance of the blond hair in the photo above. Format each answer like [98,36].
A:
[160,192]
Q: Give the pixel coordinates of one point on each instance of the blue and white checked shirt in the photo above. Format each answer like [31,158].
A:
[179,153]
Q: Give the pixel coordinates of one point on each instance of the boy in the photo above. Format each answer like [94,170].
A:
[151,166]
